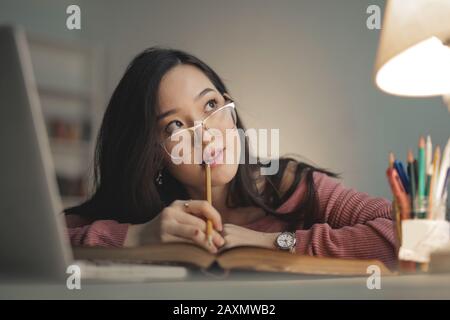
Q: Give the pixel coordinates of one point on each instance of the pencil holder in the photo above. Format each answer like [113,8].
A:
[420,237]
[425,210]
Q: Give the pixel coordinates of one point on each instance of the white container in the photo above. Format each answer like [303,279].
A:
[420,237]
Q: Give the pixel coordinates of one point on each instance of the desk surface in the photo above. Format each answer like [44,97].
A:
[422,286]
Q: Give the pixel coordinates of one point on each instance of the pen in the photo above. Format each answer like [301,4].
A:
[445,184]
[442,176]
[402,174]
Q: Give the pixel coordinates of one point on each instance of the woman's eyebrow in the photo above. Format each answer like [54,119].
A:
[203,92]
[175,110]
[167,113]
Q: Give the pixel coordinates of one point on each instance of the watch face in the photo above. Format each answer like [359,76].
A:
[285,240]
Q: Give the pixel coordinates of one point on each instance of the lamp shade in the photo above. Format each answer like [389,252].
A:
[413,57]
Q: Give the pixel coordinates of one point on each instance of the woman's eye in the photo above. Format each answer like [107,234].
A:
[211,105]
[173,126]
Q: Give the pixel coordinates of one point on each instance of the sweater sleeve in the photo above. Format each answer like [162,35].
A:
[105,233]
[350,224]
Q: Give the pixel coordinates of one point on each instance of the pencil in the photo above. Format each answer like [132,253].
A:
[421,209]
[398,220]
[428,164]
[395,206]
[209,225]
[428,177]
[416,174]
[391,160]
[436,163]
[399,193]
[412,180]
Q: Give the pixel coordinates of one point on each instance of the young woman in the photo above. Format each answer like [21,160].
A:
[142,196]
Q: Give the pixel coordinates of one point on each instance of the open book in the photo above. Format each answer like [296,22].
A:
[243,258]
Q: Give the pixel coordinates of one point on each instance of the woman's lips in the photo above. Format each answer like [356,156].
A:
[216,159]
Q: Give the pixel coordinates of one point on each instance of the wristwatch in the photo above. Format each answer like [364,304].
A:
[286,241]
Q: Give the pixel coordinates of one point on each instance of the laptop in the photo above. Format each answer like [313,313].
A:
[33,239]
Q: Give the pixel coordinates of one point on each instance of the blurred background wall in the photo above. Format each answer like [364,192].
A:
[302,66]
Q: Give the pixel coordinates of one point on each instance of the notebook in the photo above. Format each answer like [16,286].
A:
[239,258]
[129,272]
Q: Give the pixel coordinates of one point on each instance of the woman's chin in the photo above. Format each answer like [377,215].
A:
[222,173]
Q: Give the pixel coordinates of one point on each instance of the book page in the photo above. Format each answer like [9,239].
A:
[260,259]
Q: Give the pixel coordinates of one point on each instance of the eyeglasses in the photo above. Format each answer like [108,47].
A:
[222,118]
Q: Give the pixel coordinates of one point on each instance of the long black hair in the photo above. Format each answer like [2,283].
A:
[128,156]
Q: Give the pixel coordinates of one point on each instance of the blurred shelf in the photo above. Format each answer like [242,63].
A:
[64,94]
[69,77]
[65,146]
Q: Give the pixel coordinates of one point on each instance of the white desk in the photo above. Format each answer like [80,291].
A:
[255,287]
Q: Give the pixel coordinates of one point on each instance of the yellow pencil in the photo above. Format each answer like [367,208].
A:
[209,225]
[436,163]
[396,209]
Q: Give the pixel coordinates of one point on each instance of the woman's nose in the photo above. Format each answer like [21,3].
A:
[206,136]
[202,135]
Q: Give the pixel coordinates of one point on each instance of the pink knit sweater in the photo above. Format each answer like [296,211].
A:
[351,225]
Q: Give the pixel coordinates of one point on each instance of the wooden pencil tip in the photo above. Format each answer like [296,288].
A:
[421,142]
[391,159]
[437,150]
[410,156]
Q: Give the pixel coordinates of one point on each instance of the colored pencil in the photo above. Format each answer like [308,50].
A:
[421,208]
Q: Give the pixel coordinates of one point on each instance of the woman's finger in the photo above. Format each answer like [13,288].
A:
[172,238]
[228,245]
[188,219]
[218,240]
[204,209]
[191,232]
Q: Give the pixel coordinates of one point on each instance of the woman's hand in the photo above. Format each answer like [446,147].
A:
[239,236]
[179,223]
